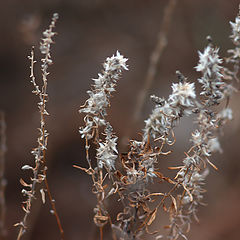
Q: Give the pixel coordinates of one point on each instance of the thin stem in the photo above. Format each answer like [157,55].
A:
[42,111]
[101,233]
[156,56]
[52,201]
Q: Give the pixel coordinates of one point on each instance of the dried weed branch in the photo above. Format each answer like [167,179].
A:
[40,168]
[129,174]
[96,125]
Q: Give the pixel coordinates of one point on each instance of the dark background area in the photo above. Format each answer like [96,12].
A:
[88,32]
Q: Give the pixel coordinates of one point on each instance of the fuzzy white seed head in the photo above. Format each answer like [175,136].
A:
[182,94]
[209,62]
[235,30]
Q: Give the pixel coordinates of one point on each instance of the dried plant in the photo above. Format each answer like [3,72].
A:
[129,175]
[97,125]
[40,169]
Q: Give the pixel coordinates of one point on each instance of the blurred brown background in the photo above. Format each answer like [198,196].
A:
[88,32]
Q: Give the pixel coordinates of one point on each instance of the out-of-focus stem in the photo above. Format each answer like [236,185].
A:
[3,181]
[156,56]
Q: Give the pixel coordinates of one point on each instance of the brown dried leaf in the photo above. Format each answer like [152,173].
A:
[119,216]
[174,202]
[105,186]
[212,165]
[24,209]
[190,195]
[167,226]
[133,205]
[150,233]
[153,216]
[100,220]
[145,207]
[155,194]
[118,174]
[24,183]
[164,207]
[174,168]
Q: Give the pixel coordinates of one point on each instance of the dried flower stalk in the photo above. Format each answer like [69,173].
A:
[40,168]
[95,120]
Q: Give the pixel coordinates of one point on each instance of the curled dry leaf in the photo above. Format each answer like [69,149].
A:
[152,217]
[43,195]
[100,221]
[174,202]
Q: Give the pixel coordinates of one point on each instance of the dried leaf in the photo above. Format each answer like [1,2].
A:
[26,167]
[24,209]
[190,195]
[174,203]
[43,195]
[145,207]
[150,233]
[18,224]
[118,174]
[153,216]
[167,226]
[174,168]
[111,192]
[212,165]
[24,183]
[100,220]
[155,194]
[164,207]
[188,228]
[105,186]
[119,216]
